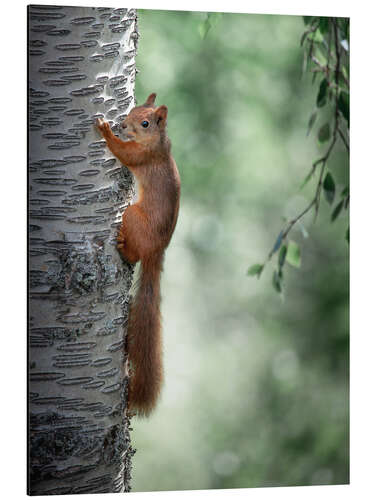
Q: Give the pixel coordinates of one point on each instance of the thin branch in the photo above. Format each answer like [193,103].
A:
[329,49]
[315,202]
[319,187]
[322,162]
[322,67]
[312,40]
[326,69]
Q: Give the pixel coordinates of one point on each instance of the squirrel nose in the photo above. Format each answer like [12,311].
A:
[123,125]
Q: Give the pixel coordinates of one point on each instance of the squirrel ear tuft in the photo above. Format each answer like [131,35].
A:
[150,100]
[161,114]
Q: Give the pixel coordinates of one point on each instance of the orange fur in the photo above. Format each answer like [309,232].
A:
[145,232]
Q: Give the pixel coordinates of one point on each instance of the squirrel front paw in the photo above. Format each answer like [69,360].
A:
[103,127]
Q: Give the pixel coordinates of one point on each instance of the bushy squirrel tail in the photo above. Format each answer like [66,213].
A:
[144,339]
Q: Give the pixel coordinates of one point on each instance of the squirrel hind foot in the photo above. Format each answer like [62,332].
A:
[126,253]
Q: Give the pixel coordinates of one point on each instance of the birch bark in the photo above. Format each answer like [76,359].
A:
[81,66]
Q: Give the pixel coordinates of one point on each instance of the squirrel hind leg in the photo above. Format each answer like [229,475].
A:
[127,253]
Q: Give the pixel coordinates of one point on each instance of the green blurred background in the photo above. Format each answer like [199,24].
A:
[256,388]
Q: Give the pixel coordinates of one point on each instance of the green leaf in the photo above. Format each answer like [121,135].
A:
[306,180]
[343,23]
[316,36]
[337,210]
[204,28]
[324,24]
[214,18]
[293,255]
[307,19]
[344,72]
[255,270]
[322,94]
[345,192]
[320,57]
[277,279]
[282,255]
[211,21]
[303,37]
[311,122]
[324,133]
[343,104]
[329,188]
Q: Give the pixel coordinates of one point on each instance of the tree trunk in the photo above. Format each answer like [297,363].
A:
[81,66]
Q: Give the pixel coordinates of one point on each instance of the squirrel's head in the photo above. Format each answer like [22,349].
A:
[146,124]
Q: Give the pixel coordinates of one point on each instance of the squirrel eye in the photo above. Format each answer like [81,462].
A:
[145,124]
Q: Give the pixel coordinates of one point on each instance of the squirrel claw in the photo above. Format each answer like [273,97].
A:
[99,122]
[103,127]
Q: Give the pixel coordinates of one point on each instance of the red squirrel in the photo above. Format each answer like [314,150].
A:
[145,232]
